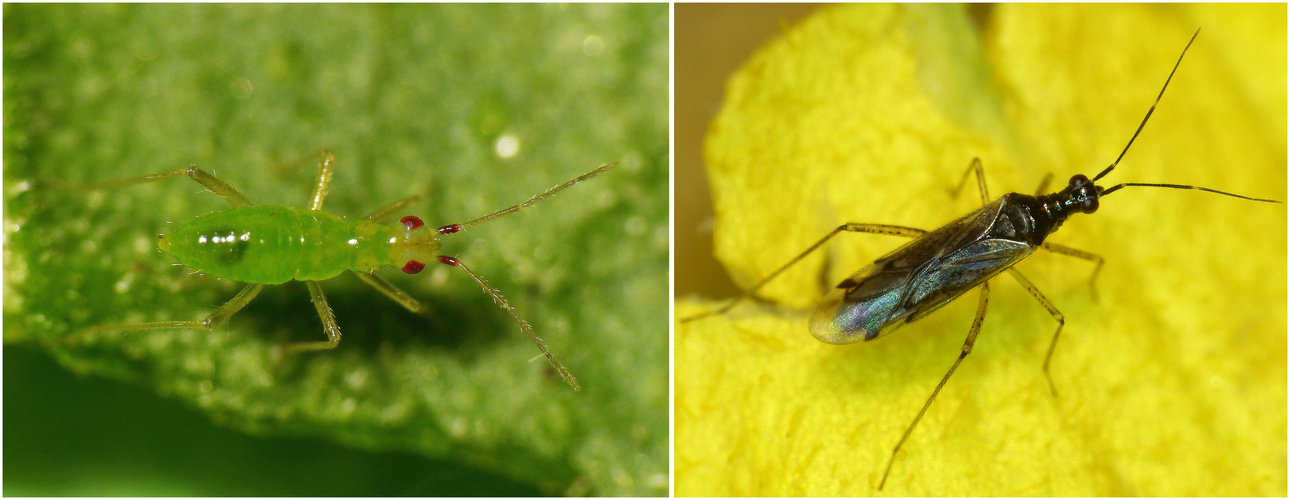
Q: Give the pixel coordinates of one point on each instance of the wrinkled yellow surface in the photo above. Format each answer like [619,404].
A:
[1172,382]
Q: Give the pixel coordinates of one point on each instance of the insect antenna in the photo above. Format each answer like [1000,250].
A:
[1139,130]
[1182,186]
[452,228]
[1149,111]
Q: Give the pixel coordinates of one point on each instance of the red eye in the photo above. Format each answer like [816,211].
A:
[412,222]
[1078,180]
[413,267]
[1088,206]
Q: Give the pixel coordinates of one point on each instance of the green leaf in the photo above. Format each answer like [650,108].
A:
[413,100]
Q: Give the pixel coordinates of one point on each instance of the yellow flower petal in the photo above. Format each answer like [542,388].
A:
[1172,383]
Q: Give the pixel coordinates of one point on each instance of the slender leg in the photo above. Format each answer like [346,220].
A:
[524,325]
[395,294]
[967,348]
[210,182]
[1065,250]
[403,299]
[849,227]
[980,180]
[219,315]
[324,179]
[385,211]
[1061,321]
[328,321]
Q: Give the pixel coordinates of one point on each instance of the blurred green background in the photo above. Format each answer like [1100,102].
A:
[413,99]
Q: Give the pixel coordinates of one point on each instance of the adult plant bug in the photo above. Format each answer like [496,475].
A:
[938,266]
[268,245]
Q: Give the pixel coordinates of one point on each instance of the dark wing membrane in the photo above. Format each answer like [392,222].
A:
[917,278]
[963,271]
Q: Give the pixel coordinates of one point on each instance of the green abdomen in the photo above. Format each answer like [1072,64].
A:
[268,245]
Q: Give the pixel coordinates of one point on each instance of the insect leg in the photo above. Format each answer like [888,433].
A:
[385,211]
[328,321]
[413,305]
[967,348]
[1065,250]
[216,317]
[210,182]
[524,325]
[394,293]
[1061,321]
[324,179]
[980,180]
[849,227]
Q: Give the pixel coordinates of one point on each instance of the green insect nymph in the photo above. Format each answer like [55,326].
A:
[274,245]
[266,245]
